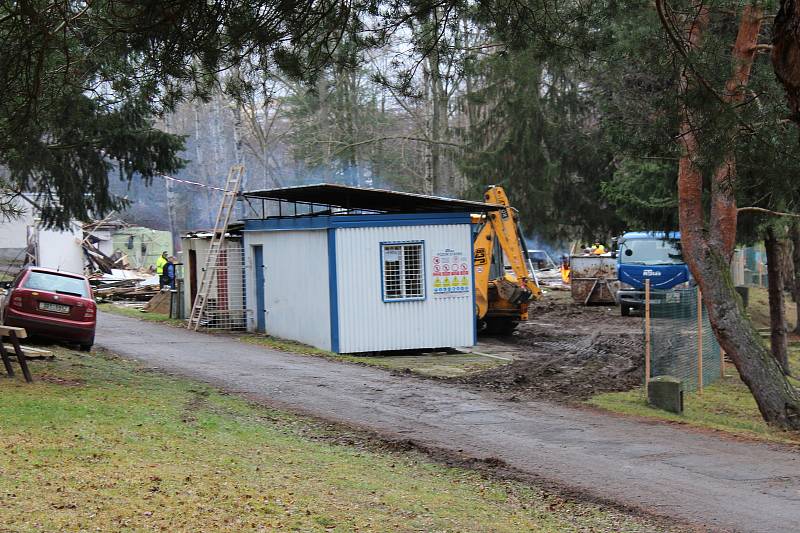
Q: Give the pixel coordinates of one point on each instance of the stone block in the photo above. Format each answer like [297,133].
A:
[665,392]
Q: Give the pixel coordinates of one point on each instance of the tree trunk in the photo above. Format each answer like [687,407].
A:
[436,125]
[323,117]
[777,310]
[794,235]
[786,53]
[708,251]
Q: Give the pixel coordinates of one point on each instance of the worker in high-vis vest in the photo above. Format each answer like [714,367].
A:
[160,262]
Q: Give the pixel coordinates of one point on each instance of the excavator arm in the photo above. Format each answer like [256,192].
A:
[505,297]
[483,247]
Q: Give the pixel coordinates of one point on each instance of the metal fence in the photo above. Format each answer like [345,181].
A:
[678,342]
[225,304]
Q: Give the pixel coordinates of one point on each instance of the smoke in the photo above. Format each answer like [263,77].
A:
[554,250]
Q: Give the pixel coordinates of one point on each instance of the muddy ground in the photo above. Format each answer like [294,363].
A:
[565,352]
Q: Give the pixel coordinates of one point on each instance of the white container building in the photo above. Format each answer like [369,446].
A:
[361,270]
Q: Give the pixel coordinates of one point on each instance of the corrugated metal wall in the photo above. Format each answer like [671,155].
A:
[367,323]
[296,291]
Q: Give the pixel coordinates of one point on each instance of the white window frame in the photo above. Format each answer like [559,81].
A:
[406,275]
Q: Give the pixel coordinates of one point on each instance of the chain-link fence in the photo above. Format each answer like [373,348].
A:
[675,336]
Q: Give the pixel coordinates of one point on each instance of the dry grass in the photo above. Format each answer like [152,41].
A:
[758,309]
[100,443]
[132,312]
[727,406]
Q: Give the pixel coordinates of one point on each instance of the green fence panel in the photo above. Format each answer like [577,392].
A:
[674,336]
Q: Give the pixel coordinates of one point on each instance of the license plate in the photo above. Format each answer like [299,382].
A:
[56,308]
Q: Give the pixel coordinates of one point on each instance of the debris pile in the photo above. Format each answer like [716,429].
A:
[551,278]
[111,276]
[124,285]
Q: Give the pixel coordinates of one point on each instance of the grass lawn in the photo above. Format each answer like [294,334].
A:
[726,405]
[758,309]
[142,315]
[101,443]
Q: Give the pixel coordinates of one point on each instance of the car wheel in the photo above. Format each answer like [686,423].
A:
[625,310]
[85,347]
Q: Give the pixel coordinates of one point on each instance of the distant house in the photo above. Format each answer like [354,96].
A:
[14,236]
[24,240]
[142,246]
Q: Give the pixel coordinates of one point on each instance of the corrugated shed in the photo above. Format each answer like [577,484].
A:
[235,282]
[296,289]
[367,323]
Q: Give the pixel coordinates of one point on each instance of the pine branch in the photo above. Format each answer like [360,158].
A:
[767,212]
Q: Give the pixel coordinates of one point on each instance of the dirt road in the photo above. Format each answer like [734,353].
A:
[713,482]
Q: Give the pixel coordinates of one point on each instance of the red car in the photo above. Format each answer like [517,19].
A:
[53,304]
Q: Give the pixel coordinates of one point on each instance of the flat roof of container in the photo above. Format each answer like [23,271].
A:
[381,200]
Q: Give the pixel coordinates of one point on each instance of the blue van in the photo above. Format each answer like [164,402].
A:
[650,255]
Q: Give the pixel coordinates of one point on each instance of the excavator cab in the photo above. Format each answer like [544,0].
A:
[504,280]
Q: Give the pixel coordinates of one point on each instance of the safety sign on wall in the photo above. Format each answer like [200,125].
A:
[451,274]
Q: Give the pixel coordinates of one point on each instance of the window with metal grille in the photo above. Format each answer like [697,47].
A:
[403,276]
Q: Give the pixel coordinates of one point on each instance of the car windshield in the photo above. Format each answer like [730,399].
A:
[650,252]
[540,259]
[47,281]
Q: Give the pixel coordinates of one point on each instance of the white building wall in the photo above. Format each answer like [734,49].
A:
[61,250]
[367,323]
[296,292]
[14,233]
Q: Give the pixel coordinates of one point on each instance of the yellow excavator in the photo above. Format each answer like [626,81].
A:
[504,281]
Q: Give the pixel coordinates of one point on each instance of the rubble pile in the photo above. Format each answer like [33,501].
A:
[124,285]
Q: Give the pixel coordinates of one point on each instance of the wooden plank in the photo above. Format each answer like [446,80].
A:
[29,350]
[160,303]
[20,333]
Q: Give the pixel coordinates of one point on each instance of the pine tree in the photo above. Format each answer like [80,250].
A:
[82,81]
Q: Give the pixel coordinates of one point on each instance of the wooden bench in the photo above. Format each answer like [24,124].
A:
[31,352]
[15,334]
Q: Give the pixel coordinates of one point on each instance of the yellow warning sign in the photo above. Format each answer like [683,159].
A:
[451,271]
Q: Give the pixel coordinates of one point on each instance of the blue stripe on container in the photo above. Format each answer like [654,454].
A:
[333,292]
[474,309]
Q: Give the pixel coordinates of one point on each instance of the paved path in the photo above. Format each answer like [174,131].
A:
[719,483]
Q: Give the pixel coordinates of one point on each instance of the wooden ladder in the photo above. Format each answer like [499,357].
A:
[208,274]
